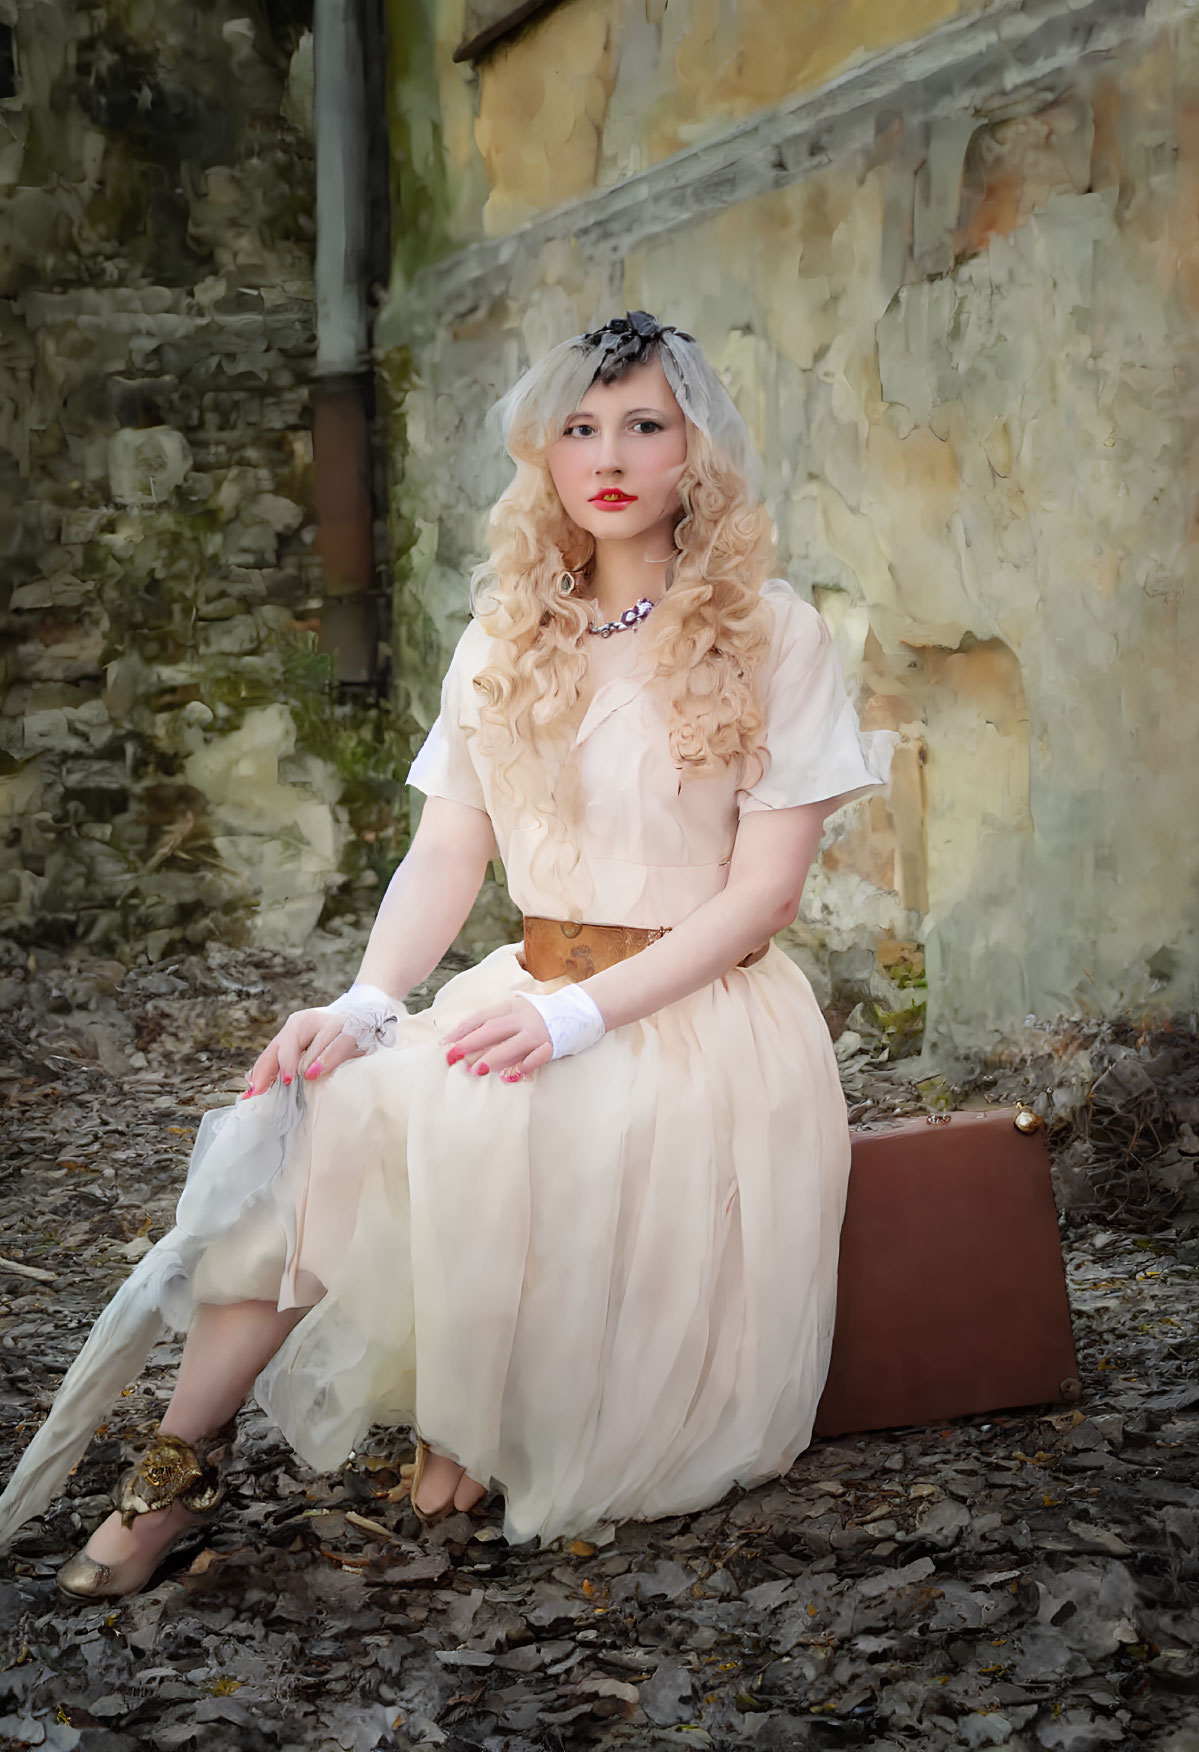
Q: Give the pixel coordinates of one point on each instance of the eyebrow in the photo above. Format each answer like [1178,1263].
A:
[658,414]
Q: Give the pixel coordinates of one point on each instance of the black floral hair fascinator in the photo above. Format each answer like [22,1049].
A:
[627,341]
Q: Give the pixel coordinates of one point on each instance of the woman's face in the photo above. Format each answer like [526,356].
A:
[618,461]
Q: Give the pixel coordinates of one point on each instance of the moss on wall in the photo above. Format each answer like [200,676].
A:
[174,759]
[420,233]
[426,515]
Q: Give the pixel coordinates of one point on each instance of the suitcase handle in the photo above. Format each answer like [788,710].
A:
[1026,1120]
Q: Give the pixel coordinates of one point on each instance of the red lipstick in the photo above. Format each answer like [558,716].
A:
[613,496]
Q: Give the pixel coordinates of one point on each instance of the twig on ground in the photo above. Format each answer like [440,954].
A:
[28,1271]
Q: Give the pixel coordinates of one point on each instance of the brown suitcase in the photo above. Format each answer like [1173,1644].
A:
[951,1293]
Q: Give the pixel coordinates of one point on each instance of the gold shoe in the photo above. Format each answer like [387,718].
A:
[83,1578]
[431,1517]
[169,1471]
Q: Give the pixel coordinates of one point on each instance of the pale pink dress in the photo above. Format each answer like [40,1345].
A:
[609,1288]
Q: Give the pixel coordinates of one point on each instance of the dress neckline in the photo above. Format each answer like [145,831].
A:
[620,677]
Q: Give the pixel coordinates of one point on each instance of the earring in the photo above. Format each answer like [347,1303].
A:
[566,584]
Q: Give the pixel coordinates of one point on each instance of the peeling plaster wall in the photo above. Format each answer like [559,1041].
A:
[171,762]
[967,350]
[602,89]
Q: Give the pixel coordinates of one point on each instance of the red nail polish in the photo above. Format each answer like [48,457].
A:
[455,1053]
[481,1070]
[287,1076]
[246,1096]
[313,1071]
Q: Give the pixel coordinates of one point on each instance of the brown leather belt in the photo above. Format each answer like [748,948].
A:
[561,948]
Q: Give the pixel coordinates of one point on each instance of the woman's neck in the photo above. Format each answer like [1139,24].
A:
[622,572]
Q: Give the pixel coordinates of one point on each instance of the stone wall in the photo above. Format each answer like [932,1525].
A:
[173,761]
[600,90]
[954,292]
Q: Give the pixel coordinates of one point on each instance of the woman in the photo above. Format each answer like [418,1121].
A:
[576,1224]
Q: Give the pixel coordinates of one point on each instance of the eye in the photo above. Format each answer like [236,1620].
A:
[579,429]
[647,426]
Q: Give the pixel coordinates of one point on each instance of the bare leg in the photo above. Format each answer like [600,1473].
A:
[227,1347]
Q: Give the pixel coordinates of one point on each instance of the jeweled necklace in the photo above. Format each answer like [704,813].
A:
[631,618]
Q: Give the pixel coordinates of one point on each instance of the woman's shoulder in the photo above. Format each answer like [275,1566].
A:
[796,622]
[473,651]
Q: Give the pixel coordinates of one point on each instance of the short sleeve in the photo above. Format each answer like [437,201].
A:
[814,750]
[443,767]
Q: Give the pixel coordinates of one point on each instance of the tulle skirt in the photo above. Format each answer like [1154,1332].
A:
[608,1289]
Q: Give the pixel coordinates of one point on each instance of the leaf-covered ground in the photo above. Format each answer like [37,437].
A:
[1029,1579]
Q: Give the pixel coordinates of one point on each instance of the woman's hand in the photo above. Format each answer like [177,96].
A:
[311,1039]
[509,1038]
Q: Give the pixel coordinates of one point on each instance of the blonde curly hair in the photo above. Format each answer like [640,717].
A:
[710,631]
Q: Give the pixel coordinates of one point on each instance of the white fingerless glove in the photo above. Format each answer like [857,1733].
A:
[572,1017]
[369,1016]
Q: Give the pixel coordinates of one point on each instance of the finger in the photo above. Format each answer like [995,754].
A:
[470,1023]
[512,1052]
[274,1060]
[327,1058]
[322,1041]
[486,1035]
[292,1039]
[525,1032]
[500,1056]
[264,1070]
[278,1058]
[521,1070]
[497,1053]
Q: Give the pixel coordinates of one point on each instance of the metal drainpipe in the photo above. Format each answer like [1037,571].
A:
[340,427]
